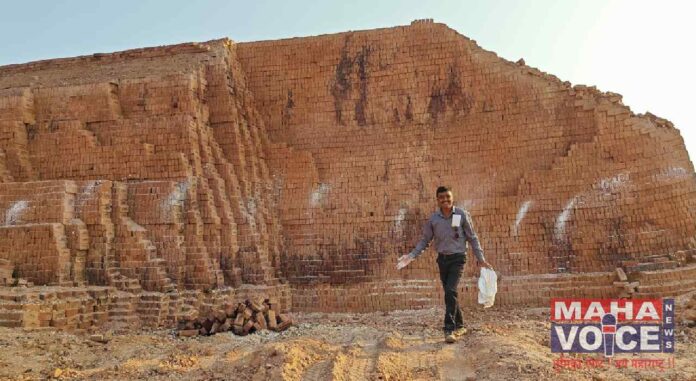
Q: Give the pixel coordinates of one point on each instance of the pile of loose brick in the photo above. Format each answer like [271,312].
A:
[87,308]
[308,165]
[242,319]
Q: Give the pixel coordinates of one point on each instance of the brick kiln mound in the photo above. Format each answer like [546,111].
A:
[156,183]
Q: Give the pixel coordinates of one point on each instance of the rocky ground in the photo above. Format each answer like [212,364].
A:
[401,345]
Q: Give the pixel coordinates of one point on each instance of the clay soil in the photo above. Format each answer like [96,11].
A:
[502,344]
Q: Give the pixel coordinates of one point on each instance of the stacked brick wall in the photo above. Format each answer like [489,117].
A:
[128,124]
[158,173]
[39,235]
[559,179]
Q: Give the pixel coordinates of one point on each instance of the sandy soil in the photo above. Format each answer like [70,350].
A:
[400,345]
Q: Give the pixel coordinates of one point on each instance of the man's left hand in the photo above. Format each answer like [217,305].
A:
[485,264]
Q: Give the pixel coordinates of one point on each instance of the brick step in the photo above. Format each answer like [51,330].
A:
[676,288]
[152,301]
[95,315]
[348,272]
[557,283]
[683,273]
[10,323]
[121,312]
[129,322]
[120,307]
[571,289]
[152,312]
[158,310]
[15,314]
[574,292]
[152,297]
[310,279]
[150,306]
[8,297]
[131,286]
[652,266]
[10,306]
[655,258]
[657,295]
[122,302]
[559,278]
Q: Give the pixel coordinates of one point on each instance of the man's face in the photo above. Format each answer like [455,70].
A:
[445,200]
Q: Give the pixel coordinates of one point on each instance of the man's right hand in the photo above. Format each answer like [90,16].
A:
[404,260]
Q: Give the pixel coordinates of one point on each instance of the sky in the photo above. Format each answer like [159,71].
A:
[640,49]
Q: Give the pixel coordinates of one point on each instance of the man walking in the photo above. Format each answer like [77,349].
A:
[451,228]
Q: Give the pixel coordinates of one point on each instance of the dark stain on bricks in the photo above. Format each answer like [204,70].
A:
[287,110]
[347,262]
[397,117]
[361,104]
[437,105]
[32,130]
[290,103]
[341,87]
[52,126]
[452,96]
[421,188]
[409,109]
[461,101]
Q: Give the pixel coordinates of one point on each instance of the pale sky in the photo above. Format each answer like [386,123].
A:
[640,49]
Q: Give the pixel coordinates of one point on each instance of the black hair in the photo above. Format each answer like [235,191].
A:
[441,189]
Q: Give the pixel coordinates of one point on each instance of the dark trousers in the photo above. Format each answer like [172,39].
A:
[451,268]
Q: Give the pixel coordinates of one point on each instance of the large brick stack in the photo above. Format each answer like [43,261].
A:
[559,178]
[162,173]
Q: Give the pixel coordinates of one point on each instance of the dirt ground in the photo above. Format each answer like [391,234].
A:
[402,345]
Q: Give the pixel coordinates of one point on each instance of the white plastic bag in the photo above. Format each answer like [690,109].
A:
[488,286]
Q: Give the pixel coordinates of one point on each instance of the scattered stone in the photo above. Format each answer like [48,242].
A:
[100,338]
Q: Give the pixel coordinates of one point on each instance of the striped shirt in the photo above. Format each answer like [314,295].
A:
[449,239]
